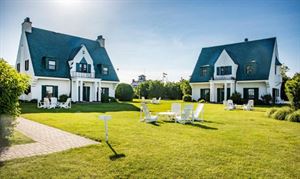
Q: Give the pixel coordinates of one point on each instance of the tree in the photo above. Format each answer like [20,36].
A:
[172,90]
[156,89]
[124,92]
[142,90]
[185,87]
[283,70]
[292,90]
[12,85]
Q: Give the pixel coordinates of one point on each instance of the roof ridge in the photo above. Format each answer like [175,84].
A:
[63,34]
[240,42]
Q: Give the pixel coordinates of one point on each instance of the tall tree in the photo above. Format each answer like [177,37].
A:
[283,71]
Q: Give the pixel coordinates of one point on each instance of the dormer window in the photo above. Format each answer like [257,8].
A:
[250,68]
[104,70]
[83,66]
[204,71]
[224,70]
[51,64]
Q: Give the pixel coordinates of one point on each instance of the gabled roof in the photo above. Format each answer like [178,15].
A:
[242,53]
[62,47]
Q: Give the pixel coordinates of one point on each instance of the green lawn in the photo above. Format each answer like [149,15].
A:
[19,138]
[228,144]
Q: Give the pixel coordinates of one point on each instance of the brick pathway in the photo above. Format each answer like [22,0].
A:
[48,140]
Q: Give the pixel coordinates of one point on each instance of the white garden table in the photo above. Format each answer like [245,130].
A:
[169,114]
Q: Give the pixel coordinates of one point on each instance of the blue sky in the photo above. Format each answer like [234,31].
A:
[153,37]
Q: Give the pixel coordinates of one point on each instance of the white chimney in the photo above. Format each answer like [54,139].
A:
[101,41]
[27,25]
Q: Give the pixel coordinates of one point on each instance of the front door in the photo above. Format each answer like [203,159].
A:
[86,93]
[220,94]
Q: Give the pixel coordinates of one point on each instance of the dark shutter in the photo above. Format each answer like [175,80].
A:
[245,93]
[43,91]
[228,93]
[89,68]
[202,93]
[55,91]
[256,93]
[229,70]
[218,70]
[77,67]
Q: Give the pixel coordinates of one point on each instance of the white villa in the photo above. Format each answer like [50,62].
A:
[251,68]
[63,64]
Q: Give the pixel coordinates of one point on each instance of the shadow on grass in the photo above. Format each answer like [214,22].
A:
[82,107]
[202,126]
[207,121]
[116,155]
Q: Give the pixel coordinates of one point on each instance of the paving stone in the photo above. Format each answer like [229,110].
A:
[47,140]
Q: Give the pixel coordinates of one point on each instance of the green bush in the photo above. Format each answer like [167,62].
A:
[281,113]
[292,90]
[236,98]
[63,98]
[201,101]
[267,99]
[271,111]
[104,98]
[124,92]
[112,99]
[12,85]
[142,90]
[185,87]
[187,98]
[172,91]
[294,116]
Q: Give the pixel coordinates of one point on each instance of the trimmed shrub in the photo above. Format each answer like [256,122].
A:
[281,113]
[104,98]
[271,111]
[187,98]
[294,116]
[236,98]
[112,99]
[63,98]
[201,101]
[124,92]
[267,99]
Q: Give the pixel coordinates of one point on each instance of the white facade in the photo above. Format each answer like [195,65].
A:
[224,83]
[74,86]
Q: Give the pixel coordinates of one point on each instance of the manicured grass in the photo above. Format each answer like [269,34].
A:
[19,138]
[243,144]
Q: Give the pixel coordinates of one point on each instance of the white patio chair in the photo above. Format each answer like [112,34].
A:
[186,115]
[53,102]
[229,105]
[249,106]
[199,112]
[66,105]
[45,104]
[176,109]
[143,100]
[148,117]
[156,101]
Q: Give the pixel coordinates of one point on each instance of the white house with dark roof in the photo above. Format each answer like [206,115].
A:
[251,68]
[63,64]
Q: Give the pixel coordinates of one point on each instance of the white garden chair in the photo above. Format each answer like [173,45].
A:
[199,113]
[45,104]
[176,109]
[66,105]
[53,102]
[186,115]
[229,105]
[148,117]
[249,106]
[156,101]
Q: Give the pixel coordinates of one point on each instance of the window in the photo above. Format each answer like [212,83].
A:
[205,94]
[83,67]
[105,70]
[251,94]
[26,65]
[203,71]
[18,67]
[51,64]
[49,91]
[250,69]
[224,70]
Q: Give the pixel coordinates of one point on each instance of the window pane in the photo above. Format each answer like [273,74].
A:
[251,93]
[51,62]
